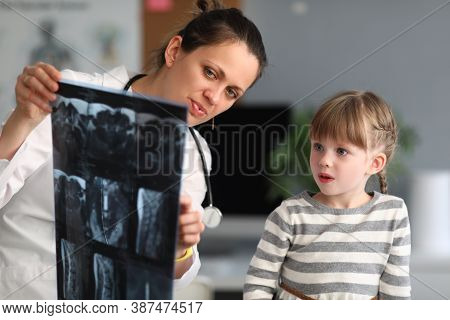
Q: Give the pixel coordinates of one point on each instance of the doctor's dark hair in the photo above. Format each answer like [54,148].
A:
[214,24]
[361,118]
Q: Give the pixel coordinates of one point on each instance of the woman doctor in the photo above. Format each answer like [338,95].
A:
[207,65]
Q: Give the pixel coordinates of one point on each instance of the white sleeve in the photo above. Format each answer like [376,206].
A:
[95,78]
[34,152]
[190,275]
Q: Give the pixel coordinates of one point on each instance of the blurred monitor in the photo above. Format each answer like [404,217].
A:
[240,145]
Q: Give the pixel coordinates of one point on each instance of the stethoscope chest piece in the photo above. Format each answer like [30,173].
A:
[212,216]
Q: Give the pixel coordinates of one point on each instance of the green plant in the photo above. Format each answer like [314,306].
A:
[288,163]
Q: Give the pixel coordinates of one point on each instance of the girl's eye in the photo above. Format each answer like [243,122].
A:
[210,73]
[342,151]
[231,93]
[318,147]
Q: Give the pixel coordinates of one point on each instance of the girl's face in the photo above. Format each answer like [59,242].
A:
[209,79]
[340,168]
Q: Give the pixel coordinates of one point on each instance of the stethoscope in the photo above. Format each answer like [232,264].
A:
[211,215]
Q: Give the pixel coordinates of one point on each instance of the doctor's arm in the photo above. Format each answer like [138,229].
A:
[23,137]
[35,88]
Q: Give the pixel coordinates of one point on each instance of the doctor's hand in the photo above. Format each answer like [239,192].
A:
[190,226]
[35,88]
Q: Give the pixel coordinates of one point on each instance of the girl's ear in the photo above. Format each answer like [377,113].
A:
[172,50]
[378,163]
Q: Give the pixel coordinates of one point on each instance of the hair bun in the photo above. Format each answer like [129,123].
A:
[206,6]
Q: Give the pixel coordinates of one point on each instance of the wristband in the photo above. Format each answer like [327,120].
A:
[186,256]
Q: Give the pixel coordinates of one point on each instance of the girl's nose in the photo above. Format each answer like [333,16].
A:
[325,161]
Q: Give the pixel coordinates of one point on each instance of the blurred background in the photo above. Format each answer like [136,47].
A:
[399,49]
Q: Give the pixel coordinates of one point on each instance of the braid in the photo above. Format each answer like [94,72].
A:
[383,181]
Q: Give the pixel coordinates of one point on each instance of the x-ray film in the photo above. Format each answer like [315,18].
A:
[117,162]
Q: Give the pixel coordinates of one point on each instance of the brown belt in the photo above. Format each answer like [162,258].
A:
[302,296]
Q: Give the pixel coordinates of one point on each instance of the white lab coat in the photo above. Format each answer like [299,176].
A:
[27,229]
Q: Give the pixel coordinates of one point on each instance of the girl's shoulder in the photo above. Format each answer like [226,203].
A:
[296,203]
[391,206]
[388,200]
[298,198]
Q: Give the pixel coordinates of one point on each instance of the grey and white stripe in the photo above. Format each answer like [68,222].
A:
[329,253]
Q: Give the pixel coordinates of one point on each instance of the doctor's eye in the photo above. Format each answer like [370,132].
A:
[231,93]
[210,73]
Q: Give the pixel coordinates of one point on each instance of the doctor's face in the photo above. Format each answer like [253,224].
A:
[209,79]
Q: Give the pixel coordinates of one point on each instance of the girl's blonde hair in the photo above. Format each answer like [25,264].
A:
[361,118]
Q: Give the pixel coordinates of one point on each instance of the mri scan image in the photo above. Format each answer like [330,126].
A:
[117,164]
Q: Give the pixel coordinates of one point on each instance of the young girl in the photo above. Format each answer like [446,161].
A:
[340,243]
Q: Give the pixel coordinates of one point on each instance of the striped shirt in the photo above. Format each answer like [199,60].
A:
[329,253]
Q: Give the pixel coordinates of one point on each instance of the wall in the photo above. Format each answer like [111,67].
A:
[88,36]
[412,72]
